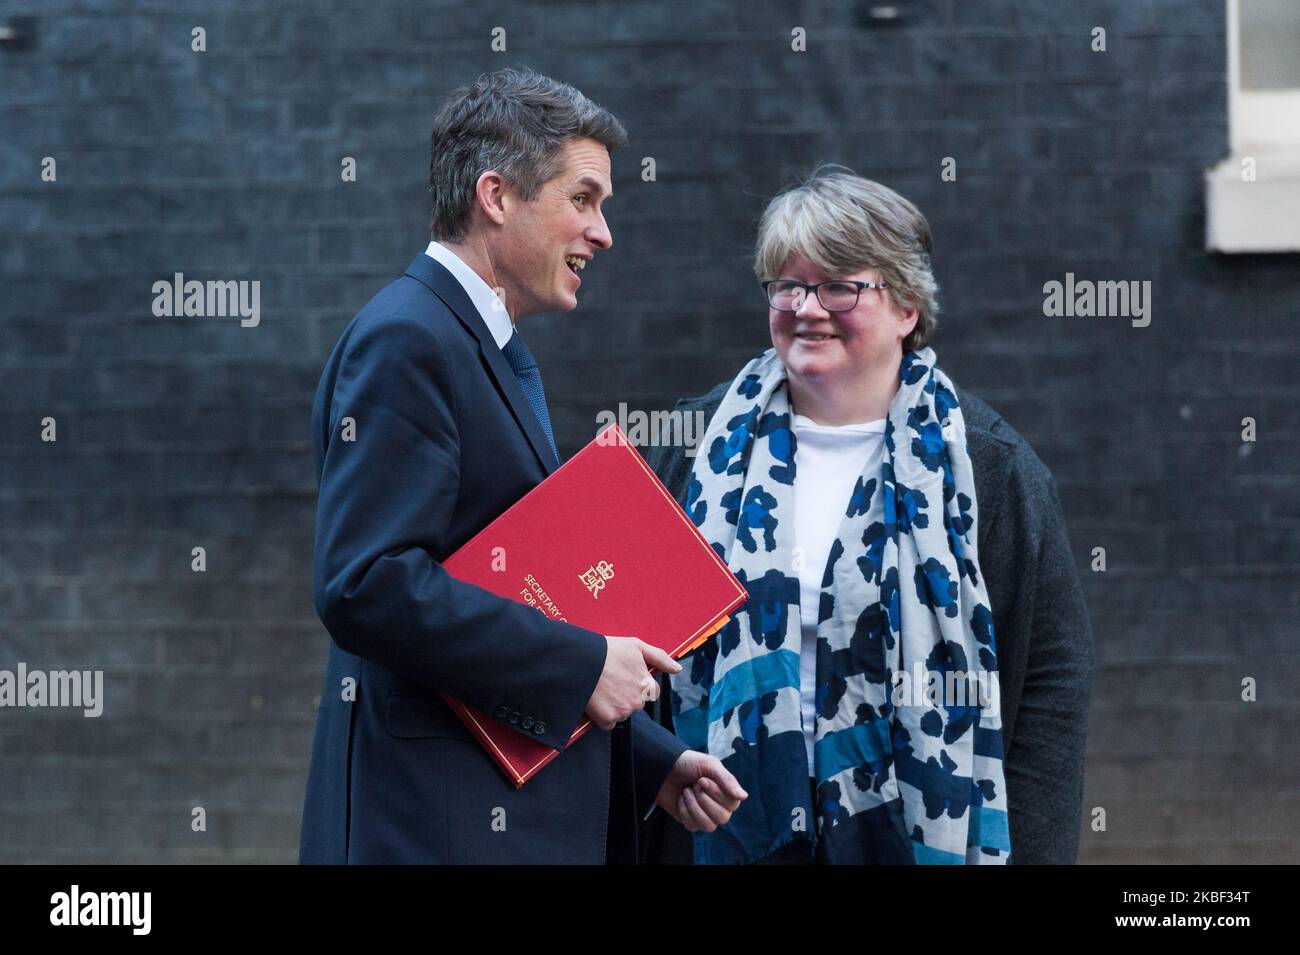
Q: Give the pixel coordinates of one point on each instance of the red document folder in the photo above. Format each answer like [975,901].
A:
[600,544]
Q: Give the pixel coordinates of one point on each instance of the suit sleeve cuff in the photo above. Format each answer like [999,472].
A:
[556,714]
[655,750]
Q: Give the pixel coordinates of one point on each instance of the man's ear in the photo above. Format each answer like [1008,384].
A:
[490,196]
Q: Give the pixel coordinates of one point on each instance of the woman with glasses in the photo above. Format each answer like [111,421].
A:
[908,682]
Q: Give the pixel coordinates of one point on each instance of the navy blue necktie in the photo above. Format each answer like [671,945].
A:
[530,379]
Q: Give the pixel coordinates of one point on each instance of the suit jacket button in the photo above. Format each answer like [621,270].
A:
[526,723]
[513,718]
[539,727]
[502,711]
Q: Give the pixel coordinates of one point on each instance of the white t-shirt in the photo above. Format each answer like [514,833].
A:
[828,462]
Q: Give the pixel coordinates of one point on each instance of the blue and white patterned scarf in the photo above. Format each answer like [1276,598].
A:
[905,771]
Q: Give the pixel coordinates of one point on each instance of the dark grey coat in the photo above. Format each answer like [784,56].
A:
[1040,622]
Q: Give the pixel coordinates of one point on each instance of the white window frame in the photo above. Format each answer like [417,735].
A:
[1263,214]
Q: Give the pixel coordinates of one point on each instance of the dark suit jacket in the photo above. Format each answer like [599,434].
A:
[444,442]
[1040,622]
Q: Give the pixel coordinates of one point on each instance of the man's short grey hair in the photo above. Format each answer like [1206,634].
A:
[844,224]
[515,122]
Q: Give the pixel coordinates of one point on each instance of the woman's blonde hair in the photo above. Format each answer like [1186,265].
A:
[844,224]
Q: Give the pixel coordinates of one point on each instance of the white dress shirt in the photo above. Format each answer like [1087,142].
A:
[491,308]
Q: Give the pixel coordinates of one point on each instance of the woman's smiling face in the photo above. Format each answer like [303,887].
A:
[821,348]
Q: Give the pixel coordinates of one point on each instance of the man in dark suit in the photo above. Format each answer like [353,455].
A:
[430,420]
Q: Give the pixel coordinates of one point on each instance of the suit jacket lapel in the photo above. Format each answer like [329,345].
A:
[444,285]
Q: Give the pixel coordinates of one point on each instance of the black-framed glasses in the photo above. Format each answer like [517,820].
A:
[839,295]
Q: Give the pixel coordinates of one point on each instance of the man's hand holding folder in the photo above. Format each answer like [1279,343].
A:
[626,684]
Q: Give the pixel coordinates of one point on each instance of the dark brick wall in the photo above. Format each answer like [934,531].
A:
[175,433]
